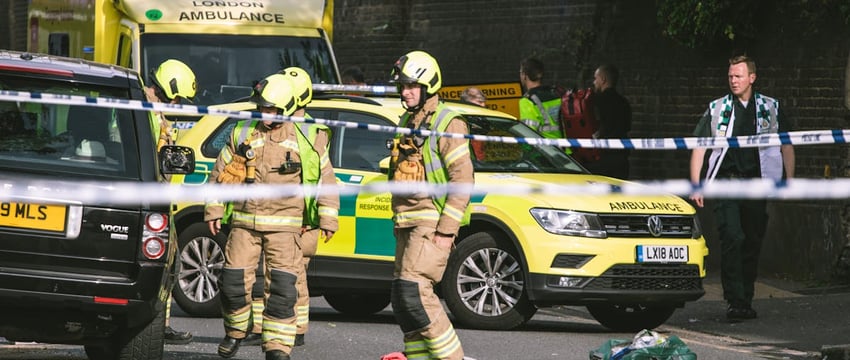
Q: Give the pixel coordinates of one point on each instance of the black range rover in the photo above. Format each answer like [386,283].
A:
[90,272]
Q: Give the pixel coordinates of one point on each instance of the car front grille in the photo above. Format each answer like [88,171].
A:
[648,278]
[670,226]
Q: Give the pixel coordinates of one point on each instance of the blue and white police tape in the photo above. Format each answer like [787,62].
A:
[155,193]
[815,137]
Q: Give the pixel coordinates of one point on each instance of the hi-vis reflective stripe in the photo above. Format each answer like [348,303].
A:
[280,332]
[453,213]
[814,137]
[328,211]
[444,345]
[303,313]
[546,128]
[239,216]
[289,144]
[226,155]
[325,160]
[455,154]
[257,307]
[416,349]
[238,321]
[409,216]
[257,143]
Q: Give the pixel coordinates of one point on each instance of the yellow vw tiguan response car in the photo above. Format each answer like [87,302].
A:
[632,260]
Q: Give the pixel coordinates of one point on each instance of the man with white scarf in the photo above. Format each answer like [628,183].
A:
[741,223]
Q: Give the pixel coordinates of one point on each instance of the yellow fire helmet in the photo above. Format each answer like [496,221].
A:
[275,91]
[418,67]
[175,78]
[302,84]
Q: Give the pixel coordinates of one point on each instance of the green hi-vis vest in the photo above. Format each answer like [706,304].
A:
[435,172]
[549,122]
[310,165]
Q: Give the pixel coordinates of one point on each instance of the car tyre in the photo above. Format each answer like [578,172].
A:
[201,260]
[630,318]
[482,272]
[146,343]
[358,304]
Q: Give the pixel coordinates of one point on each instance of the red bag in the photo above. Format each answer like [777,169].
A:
[578,121]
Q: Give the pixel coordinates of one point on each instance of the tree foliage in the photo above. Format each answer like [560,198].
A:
[695,23]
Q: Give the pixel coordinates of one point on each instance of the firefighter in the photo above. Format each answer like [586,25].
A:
[319,136]
[426,225]
[268,152]
[170,82]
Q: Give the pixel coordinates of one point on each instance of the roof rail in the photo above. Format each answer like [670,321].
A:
[355,89]
[351,98]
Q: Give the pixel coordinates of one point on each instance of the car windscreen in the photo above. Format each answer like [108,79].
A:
[67,139]
[228,66]
[491,156]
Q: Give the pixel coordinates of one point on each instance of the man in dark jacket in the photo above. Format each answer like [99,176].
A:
[614,121]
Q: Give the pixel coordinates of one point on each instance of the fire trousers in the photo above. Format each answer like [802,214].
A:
[309,243]
[419,265]
[283,263]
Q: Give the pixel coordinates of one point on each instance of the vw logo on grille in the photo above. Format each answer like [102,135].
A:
[654,225]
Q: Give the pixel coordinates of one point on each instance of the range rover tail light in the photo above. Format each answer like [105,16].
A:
[154,236]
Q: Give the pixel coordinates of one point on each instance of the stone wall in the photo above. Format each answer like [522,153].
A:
[669,86]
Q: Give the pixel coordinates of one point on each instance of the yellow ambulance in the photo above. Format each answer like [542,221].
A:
[228,44]
[632,260]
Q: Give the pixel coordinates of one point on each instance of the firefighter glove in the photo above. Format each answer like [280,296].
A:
[235,172]
[165,137]
[410,169]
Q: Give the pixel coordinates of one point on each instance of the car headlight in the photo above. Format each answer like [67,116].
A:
[697,233]
[565,222]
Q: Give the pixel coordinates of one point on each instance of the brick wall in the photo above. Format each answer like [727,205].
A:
[669,86]
[13,26]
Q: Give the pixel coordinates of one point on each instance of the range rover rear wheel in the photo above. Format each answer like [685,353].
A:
[144,343]
[201,260]
[484,285]
[630,318]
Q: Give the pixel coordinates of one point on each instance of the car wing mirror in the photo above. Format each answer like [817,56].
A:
[175,159]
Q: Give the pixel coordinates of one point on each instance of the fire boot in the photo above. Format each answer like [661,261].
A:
[174,337]
[276,355]
[228,347]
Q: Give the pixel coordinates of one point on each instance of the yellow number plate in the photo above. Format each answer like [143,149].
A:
[33,216]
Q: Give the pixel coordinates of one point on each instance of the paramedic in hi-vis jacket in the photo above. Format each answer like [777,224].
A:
[741,223]
[426,224]
[269,152]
